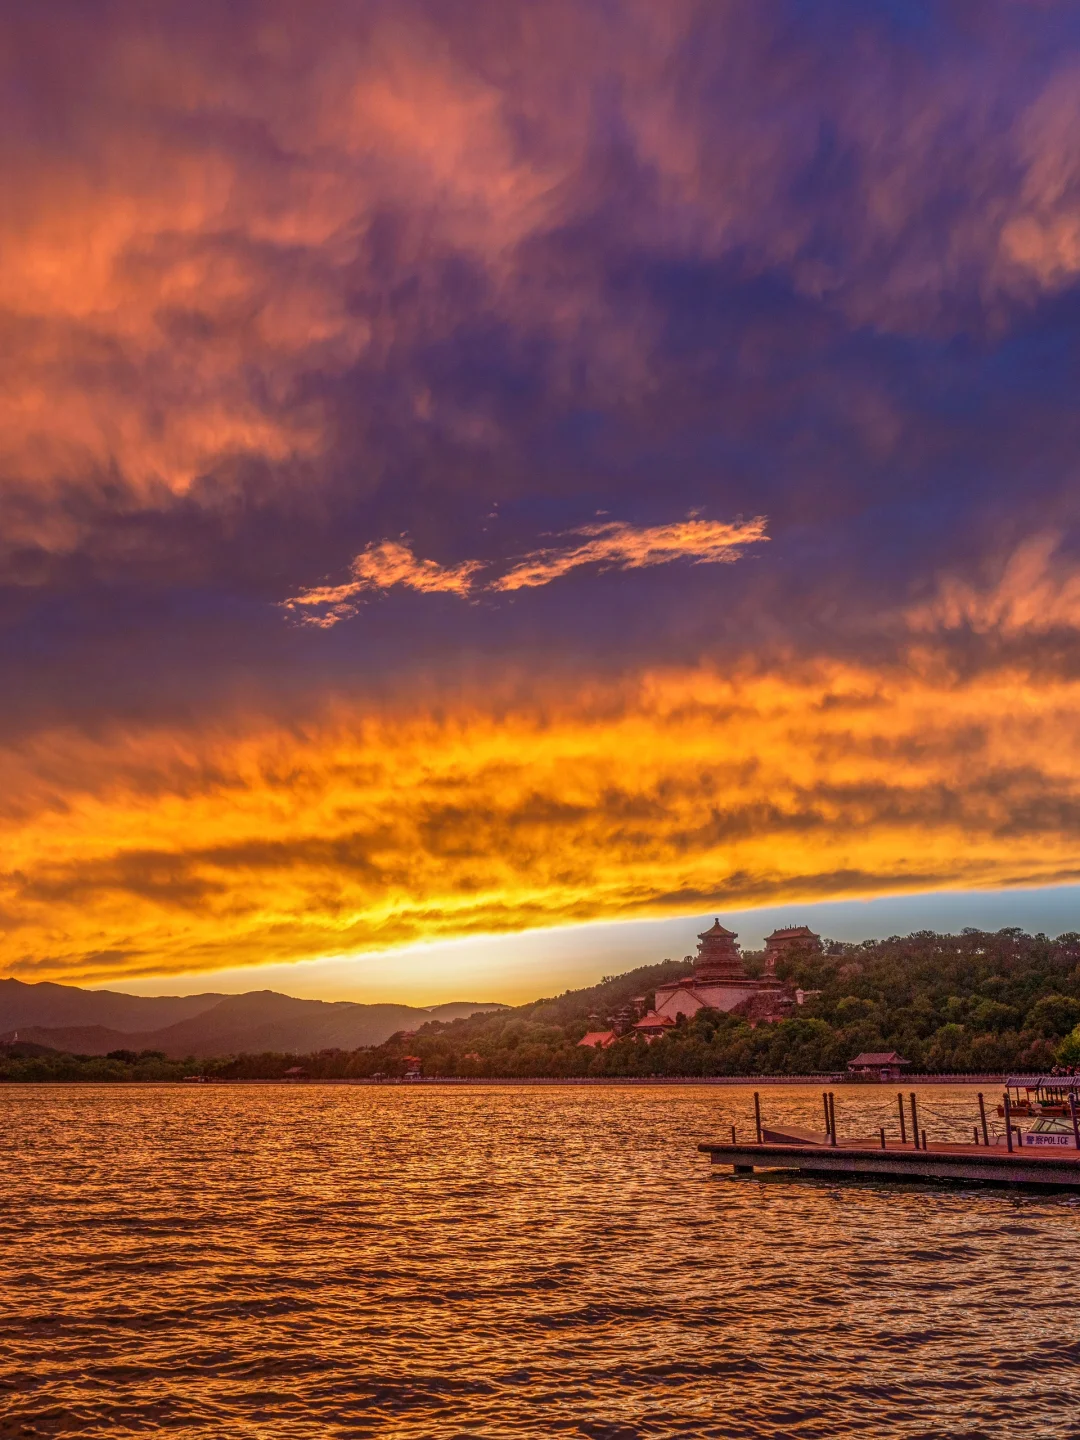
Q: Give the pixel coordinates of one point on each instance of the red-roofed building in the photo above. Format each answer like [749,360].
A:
[599,1039]
[782,942]
[878,1065]
[652,1025]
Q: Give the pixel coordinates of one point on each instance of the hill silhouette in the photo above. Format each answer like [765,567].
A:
[94,1022]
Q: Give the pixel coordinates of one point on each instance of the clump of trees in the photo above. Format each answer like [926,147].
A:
[951,1004]
[26,1064]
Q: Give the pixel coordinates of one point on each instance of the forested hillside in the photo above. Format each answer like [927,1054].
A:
[949,1003]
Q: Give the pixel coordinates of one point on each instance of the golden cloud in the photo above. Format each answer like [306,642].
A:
[157,851]
[611,545]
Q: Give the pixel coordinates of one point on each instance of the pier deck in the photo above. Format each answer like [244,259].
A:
[1058,1169]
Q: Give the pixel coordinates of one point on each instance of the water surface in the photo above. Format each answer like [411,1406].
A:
[411,1262]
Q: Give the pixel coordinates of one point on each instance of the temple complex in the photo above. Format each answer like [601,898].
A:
[720,981]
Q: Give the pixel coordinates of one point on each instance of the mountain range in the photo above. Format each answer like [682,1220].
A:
[94,1022]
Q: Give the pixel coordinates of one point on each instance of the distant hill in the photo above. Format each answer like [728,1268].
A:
[94,1022]
[48,1004]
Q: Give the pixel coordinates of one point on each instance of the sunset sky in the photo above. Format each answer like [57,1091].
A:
[491,467]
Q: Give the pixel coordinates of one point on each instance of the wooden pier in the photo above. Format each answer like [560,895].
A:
[1057,1169]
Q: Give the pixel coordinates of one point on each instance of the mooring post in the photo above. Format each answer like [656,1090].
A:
[825,1102]
[757,1115]
[974,1134]
[1008,1122]
[914,1120]
[733,1134]
[832,1116]
[1075,1117]
[903,1127]
[924,1140]
[883,1137]
[982,1118]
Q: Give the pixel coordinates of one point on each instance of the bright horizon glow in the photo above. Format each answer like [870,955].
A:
[531,964]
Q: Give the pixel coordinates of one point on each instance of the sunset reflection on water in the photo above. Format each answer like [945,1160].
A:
[509,1261]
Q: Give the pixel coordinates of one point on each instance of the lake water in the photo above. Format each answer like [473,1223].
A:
[430,1262]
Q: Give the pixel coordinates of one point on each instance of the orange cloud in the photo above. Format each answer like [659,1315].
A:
[612,545]
[157,850]
[172,278]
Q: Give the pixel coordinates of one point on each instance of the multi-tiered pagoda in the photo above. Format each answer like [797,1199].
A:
[718,961]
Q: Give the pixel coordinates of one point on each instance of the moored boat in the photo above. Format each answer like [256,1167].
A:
[1048,1095]
[1047,1130]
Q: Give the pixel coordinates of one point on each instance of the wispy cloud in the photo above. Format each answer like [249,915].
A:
[612,544]
[620,546]
[1035,590]
[380,567]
